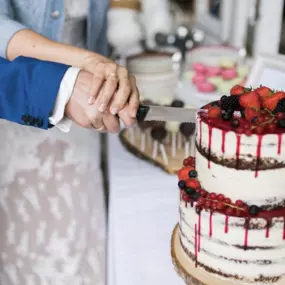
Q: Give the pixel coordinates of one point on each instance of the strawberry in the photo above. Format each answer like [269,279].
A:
[264,92]
[250,99]
[214,112]
[250,114]
[193,183]
[238,90]
[271,102]
[183,173]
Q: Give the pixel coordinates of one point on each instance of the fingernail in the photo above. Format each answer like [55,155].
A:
[102,108]
[91,100]
[114,111]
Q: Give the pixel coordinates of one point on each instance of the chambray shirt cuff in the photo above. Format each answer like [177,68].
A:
[8,29]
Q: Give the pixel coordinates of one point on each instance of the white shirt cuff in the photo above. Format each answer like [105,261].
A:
[58,118]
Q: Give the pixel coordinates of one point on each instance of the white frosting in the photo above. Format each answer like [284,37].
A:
[219,250]
[241,184]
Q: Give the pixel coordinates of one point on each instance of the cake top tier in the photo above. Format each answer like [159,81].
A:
[247,111]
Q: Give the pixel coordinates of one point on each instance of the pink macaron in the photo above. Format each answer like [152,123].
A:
[213,71]
[229,74]
[206,87]
[198,79]
[199,68]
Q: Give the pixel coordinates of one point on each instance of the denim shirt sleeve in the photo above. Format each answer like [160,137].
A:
[8,27]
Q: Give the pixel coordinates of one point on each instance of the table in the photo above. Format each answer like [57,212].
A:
[143,210]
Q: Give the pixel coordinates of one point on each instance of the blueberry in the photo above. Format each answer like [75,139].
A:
[235,123]
[193,174]
[190,191]
[253,210]
[182,184]
[281,123]
[226,116]
[196,196]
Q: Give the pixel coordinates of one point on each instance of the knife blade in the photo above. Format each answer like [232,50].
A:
[166,114]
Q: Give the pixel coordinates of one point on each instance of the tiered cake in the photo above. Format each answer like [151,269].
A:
[232,195]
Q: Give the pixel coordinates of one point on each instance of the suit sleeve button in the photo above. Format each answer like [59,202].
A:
[26,118]
[39,122]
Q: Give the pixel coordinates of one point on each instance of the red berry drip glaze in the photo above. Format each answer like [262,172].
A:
[279,143]
[246,233]
[238,151]
[227,224]
[268,223]
[200,131]
[199,232]
[223,140]
[209,145]
[258,154]
[284,228]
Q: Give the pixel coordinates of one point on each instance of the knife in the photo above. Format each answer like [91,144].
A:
[166,114]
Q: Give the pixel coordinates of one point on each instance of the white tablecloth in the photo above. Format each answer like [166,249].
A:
[143,212]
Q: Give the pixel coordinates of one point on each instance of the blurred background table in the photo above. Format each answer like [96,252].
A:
[143,203]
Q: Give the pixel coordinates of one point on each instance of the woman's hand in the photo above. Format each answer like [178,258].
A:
[88,116]
[112,87]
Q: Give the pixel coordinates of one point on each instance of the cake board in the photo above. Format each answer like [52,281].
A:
[187,270]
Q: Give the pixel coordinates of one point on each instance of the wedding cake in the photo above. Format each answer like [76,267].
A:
[232,194]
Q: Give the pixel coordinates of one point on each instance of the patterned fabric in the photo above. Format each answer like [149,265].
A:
[52,212]
[52,215]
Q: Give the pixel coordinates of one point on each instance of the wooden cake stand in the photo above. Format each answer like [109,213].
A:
[195,276]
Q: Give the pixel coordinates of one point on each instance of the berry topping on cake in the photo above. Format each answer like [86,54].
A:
[182,184]
[250,100]
[214,112]
[258,111]
[193,174]
[183,173]
[253,210]
[193,183]
[270,103]
[238,90]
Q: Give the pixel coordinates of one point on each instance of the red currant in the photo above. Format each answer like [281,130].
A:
[248,132]
[239,203]
[228,200]
[213,196]
[229,211]
[259,130]
[272,127]
[247,126]
[200,202]
[280,115]
[245,209]
[208,204]
[238,212]
[221,197]
[185,162]
[220,206]
[240,130]
[203,193]
[214,205]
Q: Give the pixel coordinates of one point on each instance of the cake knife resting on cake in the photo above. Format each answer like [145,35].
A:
[166,114]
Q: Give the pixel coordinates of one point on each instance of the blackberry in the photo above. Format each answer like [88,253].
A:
[280,106]
[190,191]
[229,102]
[196,196]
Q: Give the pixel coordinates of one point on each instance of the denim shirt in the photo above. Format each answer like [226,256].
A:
[46,17]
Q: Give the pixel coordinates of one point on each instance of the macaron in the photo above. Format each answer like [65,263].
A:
[206,87]
[242,71]
[215,80]
[229,74]
[199,67]
[227,62]
[198,79]
[172,126]
[212,71]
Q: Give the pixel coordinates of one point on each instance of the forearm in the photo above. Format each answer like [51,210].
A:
[30,44]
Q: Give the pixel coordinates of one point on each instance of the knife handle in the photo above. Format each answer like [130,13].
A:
[142,112]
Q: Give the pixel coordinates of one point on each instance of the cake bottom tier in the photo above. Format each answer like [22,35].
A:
[228,248]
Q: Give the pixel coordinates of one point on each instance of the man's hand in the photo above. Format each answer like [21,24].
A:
[88,116]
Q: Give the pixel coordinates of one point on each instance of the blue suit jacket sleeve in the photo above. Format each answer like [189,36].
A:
[28,90]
